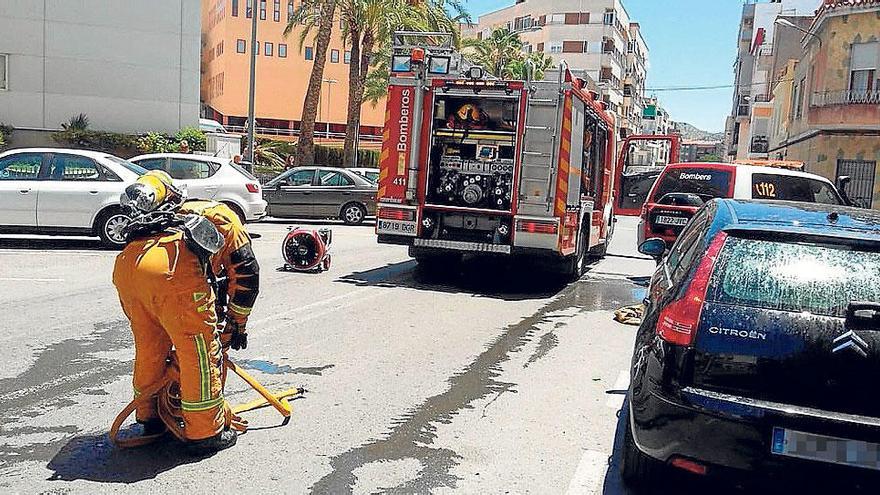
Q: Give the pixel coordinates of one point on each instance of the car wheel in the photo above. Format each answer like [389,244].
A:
[110,226]
[240,214]
[353,214]
[636,468]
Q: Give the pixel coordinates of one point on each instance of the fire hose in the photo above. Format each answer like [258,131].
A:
[166,390]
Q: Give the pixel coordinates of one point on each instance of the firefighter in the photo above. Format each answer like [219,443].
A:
[166,277]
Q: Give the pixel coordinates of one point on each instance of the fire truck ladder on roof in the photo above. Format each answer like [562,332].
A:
[540,145]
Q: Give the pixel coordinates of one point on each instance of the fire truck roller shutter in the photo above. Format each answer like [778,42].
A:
[577,153]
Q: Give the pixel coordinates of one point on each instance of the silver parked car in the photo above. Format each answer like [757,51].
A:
[321,192]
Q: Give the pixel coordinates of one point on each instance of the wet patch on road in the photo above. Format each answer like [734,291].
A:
[61,371]
[271,368]
[411,436]
[546,343]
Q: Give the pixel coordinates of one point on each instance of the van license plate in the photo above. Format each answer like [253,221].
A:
[667,220]
[833,450]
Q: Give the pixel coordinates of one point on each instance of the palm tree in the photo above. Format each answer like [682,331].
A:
[496,52]
[518,69]
[366,25]
[316,13]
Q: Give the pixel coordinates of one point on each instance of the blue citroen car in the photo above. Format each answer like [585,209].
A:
[759,350]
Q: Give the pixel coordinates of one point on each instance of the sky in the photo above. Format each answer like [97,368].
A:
[690,43]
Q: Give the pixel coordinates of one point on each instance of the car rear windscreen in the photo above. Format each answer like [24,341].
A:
[793,188]
[706,183]
[819,279]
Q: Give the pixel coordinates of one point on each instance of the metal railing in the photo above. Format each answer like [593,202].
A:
[848,97]
[319,133]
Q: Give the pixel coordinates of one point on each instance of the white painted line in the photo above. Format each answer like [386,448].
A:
[615,400]
[589,474]
[24,279]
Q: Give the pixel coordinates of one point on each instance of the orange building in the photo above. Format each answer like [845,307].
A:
[283,72]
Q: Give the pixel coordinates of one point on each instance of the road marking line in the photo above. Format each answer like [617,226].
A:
[589,474]
[25,279]
[615,400]
[323,302]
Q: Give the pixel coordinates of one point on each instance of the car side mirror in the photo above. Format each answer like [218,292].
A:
[842,184]
[654,247]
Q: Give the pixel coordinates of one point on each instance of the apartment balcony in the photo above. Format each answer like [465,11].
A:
[849,97]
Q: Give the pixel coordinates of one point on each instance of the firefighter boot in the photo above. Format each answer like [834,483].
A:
[218,442]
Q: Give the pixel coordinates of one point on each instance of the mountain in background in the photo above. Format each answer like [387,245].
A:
[691,133]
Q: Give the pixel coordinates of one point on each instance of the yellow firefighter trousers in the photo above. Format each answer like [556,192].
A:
[168,300]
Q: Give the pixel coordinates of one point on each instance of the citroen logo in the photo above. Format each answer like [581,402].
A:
[851,340]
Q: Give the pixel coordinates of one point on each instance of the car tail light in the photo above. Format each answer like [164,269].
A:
[537,227]
[678,321]
[396,214]
[689,465]
[253,188]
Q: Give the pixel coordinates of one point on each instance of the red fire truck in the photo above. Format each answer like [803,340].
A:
[472,164]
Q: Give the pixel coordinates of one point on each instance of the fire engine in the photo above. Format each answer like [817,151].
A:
[474,164]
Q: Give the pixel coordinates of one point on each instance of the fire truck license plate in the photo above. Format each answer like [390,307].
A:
[677,221]
[396,227]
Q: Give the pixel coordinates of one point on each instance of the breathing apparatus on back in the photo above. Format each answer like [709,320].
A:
[153,203]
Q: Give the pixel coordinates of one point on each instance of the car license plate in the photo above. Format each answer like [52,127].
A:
[834,450]
[667,220]
[396,227]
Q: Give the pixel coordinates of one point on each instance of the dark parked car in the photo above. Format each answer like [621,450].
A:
[321,192]
[759,349]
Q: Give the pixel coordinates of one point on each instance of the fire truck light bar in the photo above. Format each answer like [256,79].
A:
[395,214]
[537,227]
[462,246]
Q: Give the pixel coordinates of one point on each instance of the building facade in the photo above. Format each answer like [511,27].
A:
[130,66]
[701,151]
[833,118]
[762,49]
[596,36]
[283,69]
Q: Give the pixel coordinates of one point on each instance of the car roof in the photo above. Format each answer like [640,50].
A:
[790,217]
[88,153]
[750,169]
[187,156]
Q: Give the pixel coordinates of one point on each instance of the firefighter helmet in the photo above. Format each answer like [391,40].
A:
[468,116]
[152,191]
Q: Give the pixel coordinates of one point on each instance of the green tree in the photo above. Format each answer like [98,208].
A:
[316,15]
[193,136]
[536,62]
[496,52]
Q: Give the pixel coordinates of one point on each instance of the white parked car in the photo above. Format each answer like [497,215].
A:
[63,191]
[209,125]
[208,177]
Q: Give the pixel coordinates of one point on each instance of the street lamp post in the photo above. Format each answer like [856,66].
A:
[330,83]
[249,153]
[785,22]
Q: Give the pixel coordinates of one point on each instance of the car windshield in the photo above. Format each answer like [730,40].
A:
[707,183]
[127,164]
[819,279]
[793,188]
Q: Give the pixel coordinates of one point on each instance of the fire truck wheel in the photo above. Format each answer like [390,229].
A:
[434,262]
[574,266]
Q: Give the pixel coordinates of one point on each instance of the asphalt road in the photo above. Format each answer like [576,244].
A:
[487,379]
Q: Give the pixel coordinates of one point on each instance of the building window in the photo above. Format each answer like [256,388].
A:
[249,8]
[861,188]
[282,50]
[267,49]
[864,74]
[4,68]
[347,56]
[555,47]
[573,46]
[310,53]
[541,47]
[334,56]
[235,8]
[256,47]
[800,101]
[262,10]
[557,19]
[290,10]
[572,18]
[240,46]
[276,11]
[608,19]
